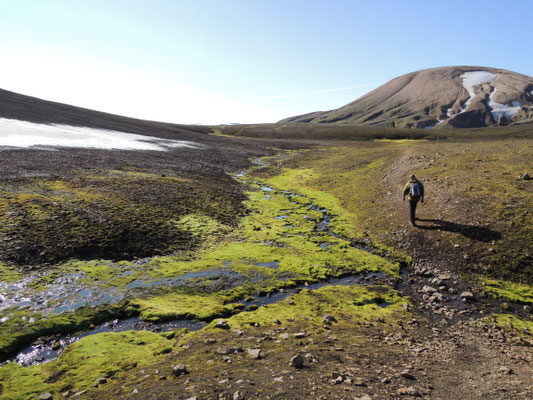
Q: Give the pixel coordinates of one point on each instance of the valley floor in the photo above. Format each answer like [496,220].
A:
[325,290]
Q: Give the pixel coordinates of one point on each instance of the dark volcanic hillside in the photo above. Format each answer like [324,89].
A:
[27,108]
[457,97]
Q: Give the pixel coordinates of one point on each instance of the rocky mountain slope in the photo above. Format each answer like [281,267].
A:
[456,97]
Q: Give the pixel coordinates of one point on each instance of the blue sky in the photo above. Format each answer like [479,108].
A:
[208,62]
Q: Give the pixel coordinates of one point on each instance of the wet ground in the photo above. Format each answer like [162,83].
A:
[70,292]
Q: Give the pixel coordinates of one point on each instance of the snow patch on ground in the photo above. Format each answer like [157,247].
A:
[15,133]
[502,109]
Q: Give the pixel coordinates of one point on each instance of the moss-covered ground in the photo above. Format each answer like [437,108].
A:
[117,214]
[276,245]
[475,198]
[316,219]
[113,355]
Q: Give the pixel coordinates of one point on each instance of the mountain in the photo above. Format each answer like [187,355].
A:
[453,97]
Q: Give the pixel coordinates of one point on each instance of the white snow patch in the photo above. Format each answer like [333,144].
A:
[502,109]
[15,133]
[471,79]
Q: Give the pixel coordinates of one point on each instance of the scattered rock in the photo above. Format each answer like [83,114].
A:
[428,289]
[505,370]
[300,335]
[46,396]
[359,382]
[525,177]
[222,324]
[179,369]
[256,354]
[467,296]
[407,375]
[328,319]
[297,361]
[238,395]
[101,380]
[408,391]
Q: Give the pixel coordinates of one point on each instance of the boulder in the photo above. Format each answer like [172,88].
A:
[466,296]
[428,289]
[180,369]
[255,354]
[297,361]
[222,324]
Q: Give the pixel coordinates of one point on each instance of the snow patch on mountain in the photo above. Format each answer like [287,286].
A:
[502,109]
[471,79]
[23,134]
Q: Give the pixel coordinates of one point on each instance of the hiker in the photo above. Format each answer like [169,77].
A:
[415,191]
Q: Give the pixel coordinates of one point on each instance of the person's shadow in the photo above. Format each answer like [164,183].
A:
[470,231]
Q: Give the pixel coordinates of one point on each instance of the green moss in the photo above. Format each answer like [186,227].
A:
[511,322]
[516,292]
[348,304]
[79,366]
[201,226]
[178,305]
[17,328]
[9,273]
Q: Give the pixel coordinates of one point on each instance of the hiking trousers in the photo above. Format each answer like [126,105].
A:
[412,209]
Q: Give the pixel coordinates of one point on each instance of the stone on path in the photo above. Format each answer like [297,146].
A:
[407,391]
[297,362]
[505,370]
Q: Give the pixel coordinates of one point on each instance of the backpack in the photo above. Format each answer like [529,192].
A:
[415,189]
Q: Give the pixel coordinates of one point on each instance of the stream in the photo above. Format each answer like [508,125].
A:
[49,348]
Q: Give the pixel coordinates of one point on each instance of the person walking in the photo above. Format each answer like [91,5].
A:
[414,190]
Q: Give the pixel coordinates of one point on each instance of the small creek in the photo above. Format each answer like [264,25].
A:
[47,349]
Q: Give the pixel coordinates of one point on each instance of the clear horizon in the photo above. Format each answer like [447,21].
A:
[212,62]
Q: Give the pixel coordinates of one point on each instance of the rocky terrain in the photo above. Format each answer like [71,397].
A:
[447,97]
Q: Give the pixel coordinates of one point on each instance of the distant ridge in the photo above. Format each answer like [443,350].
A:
[456,97]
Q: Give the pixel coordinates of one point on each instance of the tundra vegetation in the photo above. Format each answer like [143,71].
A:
[306,252]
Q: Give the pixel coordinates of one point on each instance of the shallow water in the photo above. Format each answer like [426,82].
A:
[41,352]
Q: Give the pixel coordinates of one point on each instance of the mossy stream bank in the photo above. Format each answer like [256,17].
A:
[282,246]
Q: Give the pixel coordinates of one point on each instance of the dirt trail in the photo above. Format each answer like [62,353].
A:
[459,358]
